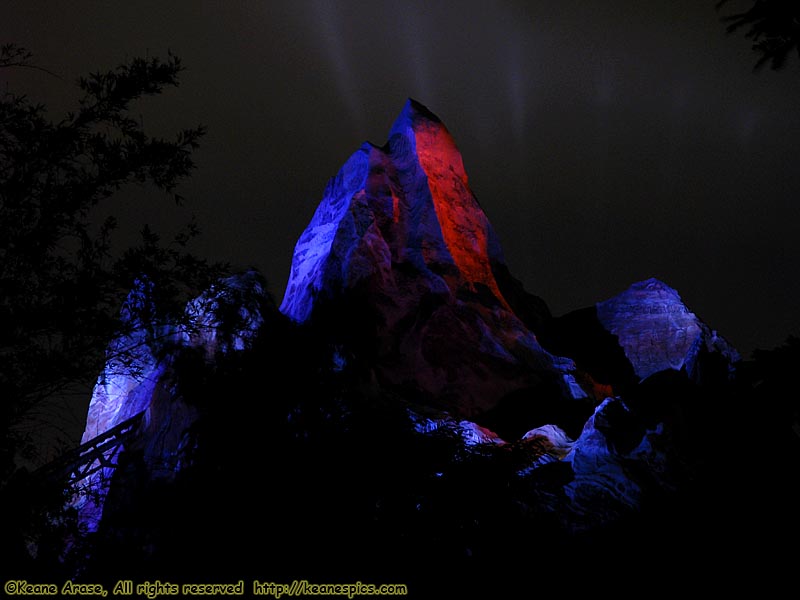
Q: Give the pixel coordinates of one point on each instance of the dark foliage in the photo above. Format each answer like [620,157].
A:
[61,287]
[300,472]
[773,374]
[295,470]
[772,25]
[582,337]
[324,479]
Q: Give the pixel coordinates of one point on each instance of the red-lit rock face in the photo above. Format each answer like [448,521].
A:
[400,224]
[465,229]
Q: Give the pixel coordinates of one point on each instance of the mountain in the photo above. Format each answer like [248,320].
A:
[409,405]
[400,247]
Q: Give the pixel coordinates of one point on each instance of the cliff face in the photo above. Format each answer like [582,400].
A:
[140,379]
[657,331]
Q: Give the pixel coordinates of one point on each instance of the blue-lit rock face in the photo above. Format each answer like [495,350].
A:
[470,433]
[139,378]
[400,232]
[601,479]
[645,330]
[613,459]
[657,331]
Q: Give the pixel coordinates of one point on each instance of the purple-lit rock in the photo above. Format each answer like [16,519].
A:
[470,433]
[138,378]
[132,371]
[614,459]
[657,331]
[400,227]
[603,488]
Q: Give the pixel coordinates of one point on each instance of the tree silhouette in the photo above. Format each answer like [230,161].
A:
[61,286]
[774,27]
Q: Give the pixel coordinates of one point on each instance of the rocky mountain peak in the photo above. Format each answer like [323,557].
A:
[400,230]
[407,202]
[657,331]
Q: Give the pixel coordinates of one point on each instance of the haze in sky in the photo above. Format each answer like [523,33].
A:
[608,142]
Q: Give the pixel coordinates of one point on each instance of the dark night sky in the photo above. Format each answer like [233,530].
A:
[607,141]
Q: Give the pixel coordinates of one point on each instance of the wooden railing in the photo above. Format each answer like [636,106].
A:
[98,453]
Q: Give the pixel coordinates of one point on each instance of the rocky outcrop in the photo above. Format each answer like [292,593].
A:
[551,438]
[546,445]
[470,433]
[139,377]
[642,331]
[616,460]
[658,332]
[601,480]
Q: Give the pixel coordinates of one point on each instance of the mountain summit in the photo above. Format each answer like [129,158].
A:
[400,234]
[407,202]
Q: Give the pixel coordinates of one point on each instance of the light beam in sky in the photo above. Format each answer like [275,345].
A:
[414,31]
[327,24]
[518,83]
